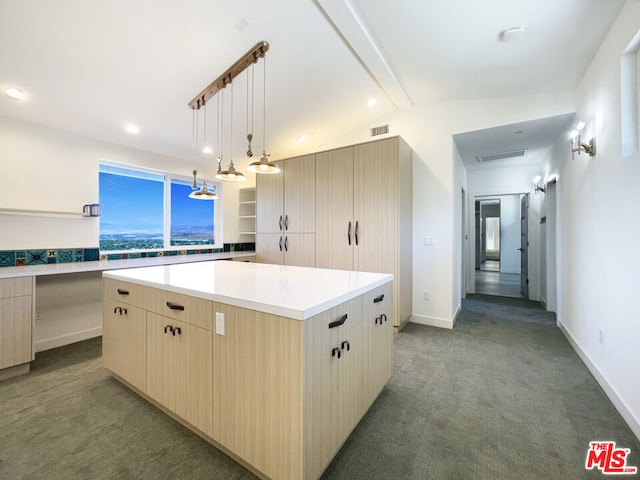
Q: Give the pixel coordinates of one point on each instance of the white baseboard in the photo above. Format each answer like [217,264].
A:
[49,343]
[432,321]
[618,403]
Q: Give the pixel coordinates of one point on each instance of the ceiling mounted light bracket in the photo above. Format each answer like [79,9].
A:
[249,58]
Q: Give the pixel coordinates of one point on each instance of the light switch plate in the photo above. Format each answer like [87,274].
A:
[220,323]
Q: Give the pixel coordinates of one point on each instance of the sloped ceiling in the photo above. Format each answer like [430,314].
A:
[93,67]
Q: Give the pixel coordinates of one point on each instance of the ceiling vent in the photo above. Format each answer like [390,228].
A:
[501,156]
[382,130]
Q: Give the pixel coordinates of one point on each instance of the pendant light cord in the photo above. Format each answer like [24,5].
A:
[264,105]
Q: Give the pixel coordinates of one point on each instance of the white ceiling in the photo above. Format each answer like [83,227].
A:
[91,67]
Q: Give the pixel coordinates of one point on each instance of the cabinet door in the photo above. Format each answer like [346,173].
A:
[379,319]
[270,202]
[194,376]
[376,206]
[300,194]
[124,342]
[334,209]
[15,331]
[270,248]
[300,249]
[161,360]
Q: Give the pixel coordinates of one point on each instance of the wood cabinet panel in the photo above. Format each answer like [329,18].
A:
[16,287]
[378,316]
[300,195]
[270,202]
[126,292]
[185,308]
[334,209]
[269,248]
[15,329]
[161,360]
[300,249]
[124,342]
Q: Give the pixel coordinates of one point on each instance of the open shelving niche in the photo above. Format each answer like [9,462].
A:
[247,213]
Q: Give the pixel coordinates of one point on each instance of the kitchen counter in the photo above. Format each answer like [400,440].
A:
[293,292]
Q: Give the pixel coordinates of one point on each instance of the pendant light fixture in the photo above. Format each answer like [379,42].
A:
[220,83]
[203,193]
[230,174]
[264,165]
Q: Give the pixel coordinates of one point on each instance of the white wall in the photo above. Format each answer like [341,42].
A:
[598,231]
[46,169]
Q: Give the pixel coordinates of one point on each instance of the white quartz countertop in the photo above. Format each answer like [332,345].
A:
[100,265]
[293,292]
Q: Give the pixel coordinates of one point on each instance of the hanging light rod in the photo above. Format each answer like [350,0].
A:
[232,72]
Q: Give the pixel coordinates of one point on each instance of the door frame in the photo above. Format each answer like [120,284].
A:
[472,197]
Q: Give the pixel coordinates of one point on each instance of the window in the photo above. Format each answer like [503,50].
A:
[630,97]
[143,210]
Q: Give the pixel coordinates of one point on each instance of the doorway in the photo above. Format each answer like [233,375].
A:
[498,242]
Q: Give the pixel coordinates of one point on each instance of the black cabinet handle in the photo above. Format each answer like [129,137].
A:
[356,233]
[286,222]
[280,243]
[123,292]
[339,322]
[384,316]
[175,306]
[168,327]
[378,299]
[123,310]
[280,223]
[179,330]
[286,244]
[175,330]
[336,351]
[115,310]
[346,344]
[378,319]
[349,233]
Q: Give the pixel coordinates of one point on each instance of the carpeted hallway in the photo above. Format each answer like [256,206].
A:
[502,396]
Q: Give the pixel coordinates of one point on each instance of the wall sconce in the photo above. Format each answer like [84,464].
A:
[578,146]
[538,187]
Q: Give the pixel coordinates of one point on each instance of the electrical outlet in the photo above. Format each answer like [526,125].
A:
[601,337]
[220,323]
[427,296]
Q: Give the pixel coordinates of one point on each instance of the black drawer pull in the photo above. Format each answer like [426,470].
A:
[123,310]
[123,292]
[336,351]
[177,330]
[378,319]
[175,306]
[168,327]
[384,316]
[378,299]
[337,323]
[115,310]
[346,344]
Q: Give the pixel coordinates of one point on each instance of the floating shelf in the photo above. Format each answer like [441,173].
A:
[41,213]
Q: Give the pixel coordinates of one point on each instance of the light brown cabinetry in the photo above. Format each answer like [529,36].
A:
[16,324]
[377,312]
[363,211]
[285,214]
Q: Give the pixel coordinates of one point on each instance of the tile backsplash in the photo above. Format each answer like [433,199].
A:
[12,258]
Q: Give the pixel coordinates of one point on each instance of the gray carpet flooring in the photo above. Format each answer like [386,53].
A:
[502,396]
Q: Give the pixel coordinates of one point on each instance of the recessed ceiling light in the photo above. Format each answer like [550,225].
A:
[207,150]
[132,128]
[15,93]
[372,102]
[512,34]
[302,138]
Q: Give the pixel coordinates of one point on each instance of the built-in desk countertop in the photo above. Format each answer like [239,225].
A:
[293,292]
[103,265]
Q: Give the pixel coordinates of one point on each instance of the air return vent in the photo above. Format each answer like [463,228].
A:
[381,130]
[501,155]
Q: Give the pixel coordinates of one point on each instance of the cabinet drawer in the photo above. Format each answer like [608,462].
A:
[125,292]
[192,310]
[16,287]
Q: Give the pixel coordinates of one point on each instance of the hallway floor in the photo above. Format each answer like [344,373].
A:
[498,283]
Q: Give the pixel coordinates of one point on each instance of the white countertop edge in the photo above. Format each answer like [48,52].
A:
[259,306]
[103,265]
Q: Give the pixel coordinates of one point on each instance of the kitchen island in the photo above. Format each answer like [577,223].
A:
[274,365]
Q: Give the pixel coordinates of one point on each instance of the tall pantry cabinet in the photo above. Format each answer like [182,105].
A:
[364,213]
[357,200]
[285,214]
